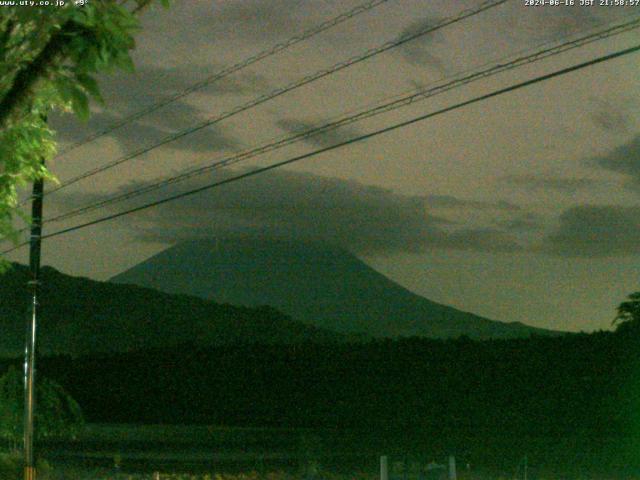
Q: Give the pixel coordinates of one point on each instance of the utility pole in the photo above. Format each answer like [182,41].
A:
[30,345]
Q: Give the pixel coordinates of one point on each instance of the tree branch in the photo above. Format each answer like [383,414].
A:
[142,5]
[17,99]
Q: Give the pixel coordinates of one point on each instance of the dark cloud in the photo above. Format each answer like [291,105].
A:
[565,22]
[142,132]
[449,201]
[422,50]
[596,231]
[303,206]
[611,117]
[538,182]
[325,139]
[151,83]
[624,159]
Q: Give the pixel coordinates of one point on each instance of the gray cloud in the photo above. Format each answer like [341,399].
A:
[589,231]
[524,222]
[150,83]
[538,182]
[325,139]
[449,201]
[286,204]
[147,131]
[564,22]
[421,51]
[554,24]
[198,28]
[483,239]
[128,93]
[612,117]
[624,159]
[259,20]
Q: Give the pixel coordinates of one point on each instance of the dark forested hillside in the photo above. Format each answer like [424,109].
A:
[80,315]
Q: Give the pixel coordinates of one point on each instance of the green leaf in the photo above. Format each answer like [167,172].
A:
[90,85]
[100,40]
[125,63]
[64,88]
[80,103]
[71,92]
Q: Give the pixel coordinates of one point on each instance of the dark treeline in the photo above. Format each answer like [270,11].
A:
[571,403]
[578,383]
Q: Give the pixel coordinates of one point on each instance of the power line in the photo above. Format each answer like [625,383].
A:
[359,138]
[343,17]
[397,103]
[221,75]
[283,90]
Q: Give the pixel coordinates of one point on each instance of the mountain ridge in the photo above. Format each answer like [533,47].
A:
[317,284]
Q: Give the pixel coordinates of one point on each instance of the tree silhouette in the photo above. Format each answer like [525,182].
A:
[50,57]
[628,315]
[56,414]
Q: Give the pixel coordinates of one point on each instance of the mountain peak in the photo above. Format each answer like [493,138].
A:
[313,282]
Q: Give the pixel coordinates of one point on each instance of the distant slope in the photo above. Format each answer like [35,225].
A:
[319,285]
[84,316]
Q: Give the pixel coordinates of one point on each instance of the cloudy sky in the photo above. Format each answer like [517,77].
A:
[525,207]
